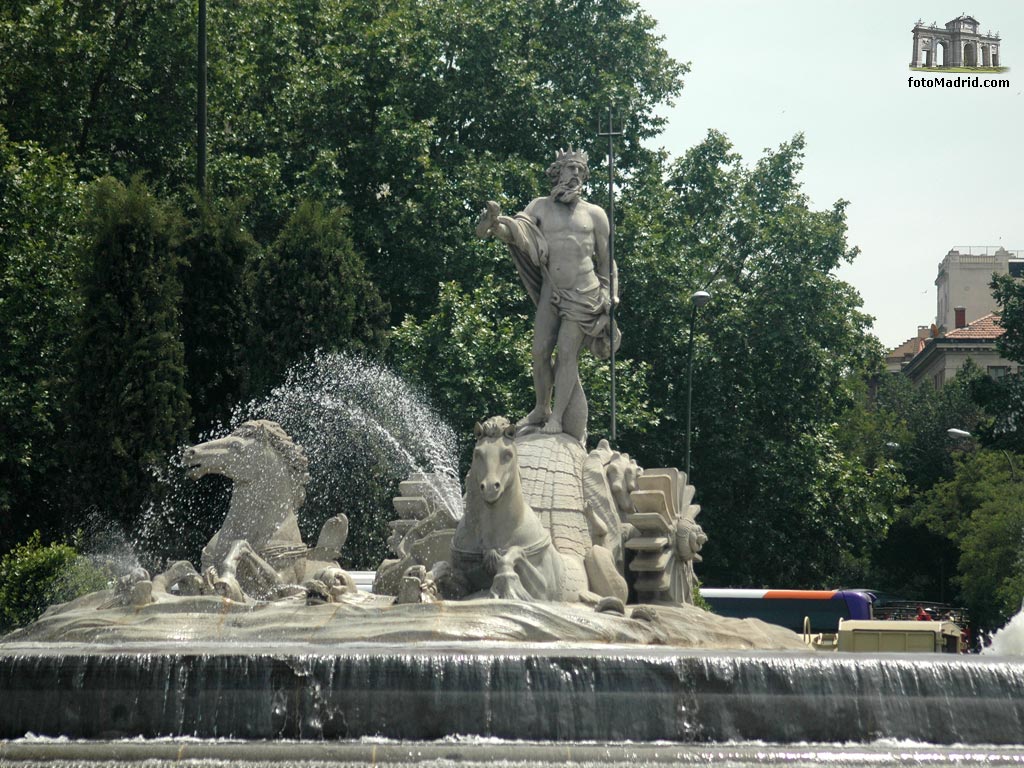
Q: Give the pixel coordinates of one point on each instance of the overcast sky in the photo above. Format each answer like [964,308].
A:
[924,169]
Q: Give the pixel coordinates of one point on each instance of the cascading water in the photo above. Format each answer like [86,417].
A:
[535,692]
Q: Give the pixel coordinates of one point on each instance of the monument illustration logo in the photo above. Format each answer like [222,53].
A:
[957,46]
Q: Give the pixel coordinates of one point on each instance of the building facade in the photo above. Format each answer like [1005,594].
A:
[963,281]
[958,44]
[966,321]
[941,357]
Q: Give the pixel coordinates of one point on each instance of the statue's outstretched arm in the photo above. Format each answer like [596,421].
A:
[490,223]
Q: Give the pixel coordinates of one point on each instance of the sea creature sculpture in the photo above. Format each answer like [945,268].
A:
[500,544]
[258,551]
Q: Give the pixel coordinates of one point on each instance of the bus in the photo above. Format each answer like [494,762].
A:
[788,607]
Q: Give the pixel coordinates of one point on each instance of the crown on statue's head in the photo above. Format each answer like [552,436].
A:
[564,155]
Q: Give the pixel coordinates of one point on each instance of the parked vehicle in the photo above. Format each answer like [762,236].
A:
[790,607]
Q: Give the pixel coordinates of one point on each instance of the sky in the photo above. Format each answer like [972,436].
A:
[924,169]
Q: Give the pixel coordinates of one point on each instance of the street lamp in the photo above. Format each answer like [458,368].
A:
[963,434]
[697,300]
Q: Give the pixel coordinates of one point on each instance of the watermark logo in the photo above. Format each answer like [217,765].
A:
[957,82]
[957,46]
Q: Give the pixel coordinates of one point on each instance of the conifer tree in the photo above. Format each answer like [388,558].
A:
[215,254]
[311,291]
[40,201]
[130,406]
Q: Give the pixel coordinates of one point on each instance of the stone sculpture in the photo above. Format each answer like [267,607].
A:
[560,248]
[258,552]
[528,531]
[500,546]
[614,526]
[422,534]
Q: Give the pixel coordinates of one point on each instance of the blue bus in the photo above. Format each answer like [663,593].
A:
[788,607]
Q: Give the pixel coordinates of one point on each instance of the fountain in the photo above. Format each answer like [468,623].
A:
[552,604]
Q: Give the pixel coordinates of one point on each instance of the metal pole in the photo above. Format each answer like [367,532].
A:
[1013,469]
[611,133]
[689,388]
[697,300]
[201,103]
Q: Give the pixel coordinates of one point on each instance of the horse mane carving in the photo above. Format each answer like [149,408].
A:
[271,433]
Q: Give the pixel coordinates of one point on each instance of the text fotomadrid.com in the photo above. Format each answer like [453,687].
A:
[956,82]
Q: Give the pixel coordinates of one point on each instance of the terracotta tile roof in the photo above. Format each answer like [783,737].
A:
[908,348]
[984,328]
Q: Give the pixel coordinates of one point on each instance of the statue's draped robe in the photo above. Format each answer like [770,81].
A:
[529,249]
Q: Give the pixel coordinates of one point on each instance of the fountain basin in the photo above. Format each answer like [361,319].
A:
[559,692]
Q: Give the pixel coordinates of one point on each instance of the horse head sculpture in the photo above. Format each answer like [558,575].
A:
[495,467]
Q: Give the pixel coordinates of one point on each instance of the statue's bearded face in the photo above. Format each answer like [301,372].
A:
[569,184]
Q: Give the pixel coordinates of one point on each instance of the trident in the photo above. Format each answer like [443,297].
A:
[611,133]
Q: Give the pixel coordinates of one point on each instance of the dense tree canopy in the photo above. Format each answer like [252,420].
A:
[310,292]
[39,204]
[778,352]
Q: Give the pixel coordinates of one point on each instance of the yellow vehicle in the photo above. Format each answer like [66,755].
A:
[899,636]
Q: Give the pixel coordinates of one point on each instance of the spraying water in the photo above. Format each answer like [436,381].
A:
[363,429]
[1008,641]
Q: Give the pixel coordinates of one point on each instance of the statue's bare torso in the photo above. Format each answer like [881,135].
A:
[572,232]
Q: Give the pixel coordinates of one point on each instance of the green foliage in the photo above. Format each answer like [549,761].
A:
[216,254]
[412,113]
[130,406]
[778,354]
[917,559]
[310,292]
[33,576]
[919,418]
[698,598]
[1009,294]
[39,204]
[981,511]
[1003,400]
[109,84]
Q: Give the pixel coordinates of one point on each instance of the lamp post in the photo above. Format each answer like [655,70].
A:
[963,434]
[697,300]
[201,102]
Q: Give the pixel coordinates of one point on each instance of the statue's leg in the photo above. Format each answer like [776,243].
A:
[545,335]
[567,372]
[574,420]
[258,576]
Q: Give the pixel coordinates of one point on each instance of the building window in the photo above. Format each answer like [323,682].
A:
[998,371]
[1016,268]
[939,379]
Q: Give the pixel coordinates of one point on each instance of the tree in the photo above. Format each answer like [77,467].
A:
[216,254]
[413,113]
[310,292]
[1003,400]
[914,560]
[108,84]
[39,204]
[981,511]
[777,356]
[130,406]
